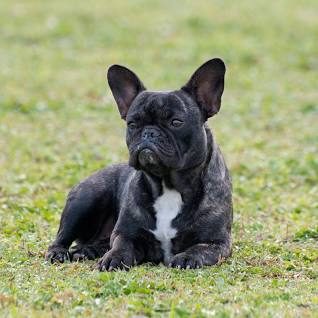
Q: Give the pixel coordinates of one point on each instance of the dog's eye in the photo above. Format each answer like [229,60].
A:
[176,123]
[132,125]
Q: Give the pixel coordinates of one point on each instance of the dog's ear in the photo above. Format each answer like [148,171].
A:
[206,86]
[125,86]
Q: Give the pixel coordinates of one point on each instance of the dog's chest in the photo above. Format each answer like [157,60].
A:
[167,207]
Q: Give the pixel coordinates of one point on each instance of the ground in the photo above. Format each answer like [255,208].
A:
[59,123]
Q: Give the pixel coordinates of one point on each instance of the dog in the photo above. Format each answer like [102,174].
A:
[173,202]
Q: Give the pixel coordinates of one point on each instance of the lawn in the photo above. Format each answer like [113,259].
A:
[59,123]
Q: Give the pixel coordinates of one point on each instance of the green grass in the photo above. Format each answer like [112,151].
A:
[59,123]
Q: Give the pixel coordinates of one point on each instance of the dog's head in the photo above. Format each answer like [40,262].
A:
[165,130]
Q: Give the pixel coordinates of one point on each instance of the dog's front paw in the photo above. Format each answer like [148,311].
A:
[84,252]
[57,254]
[115,260]
[186,261]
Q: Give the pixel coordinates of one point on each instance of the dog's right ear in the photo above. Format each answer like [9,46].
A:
[125,86]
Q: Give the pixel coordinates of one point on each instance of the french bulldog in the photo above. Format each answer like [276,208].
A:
[172,202]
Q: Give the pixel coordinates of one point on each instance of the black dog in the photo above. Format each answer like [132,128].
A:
[173,202]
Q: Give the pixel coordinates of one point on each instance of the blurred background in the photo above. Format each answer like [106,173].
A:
[59,122]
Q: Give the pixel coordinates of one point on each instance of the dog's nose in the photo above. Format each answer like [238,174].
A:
[150,133]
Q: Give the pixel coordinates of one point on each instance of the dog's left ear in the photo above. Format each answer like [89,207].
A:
[206,86]
[125,86]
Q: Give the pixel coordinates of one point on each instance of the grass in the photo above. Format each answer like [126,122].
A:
[59,123]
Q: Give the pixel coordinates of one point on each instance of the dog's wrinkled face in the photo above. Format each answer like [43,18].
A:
[165,130]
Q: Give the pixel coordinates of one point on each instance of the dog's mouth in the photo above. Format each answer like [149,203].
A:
[150,162]
[147,157]
[153,158]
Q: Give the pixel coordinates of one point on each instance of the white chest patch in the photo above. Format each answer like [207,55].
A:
[167,207]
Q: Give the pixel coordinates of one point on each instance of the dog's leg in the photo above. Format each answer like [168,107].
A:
[87,218]
[202,254]
[71,226]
